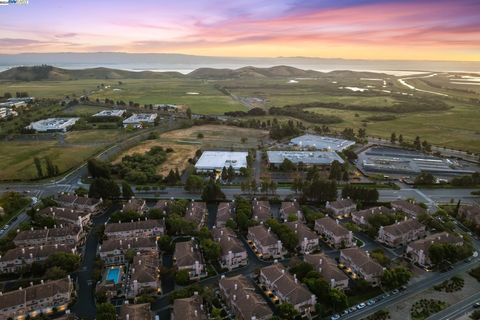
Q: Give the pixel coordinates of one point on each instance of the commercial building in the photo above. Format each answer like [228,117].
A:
[328,269]
[239,294]
[233,253]
[311,141]
[287,288]
[187,256]
[334,233]
[307,158]
[265,243]
[217,160]
[401,233]
[110,113]
[361,265]
[38,299]
[140,120]
[418,251]
[53,124]
[401,161]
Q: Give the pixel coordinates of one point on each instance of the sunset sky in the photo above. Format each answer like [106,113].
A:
[365,29]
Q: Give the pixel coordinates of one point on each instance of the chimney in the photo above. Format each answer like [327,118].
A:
[236,286]
[234,297]
[127,317]
[248,296]
[196,313]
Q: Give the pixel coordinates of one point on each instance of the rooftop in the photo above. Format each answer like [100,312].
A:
[141,117]
[305,157]
[321,142]
[110,113]
[211,160]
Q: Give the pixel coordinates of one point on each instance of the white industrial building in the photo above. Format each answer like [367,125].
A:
[110,113]
[321,142]
[138,120]
[216,160]
[308,158]
[53,124]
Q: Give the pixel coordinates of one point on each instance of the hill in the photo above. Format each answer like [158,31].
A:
[253,72]
[44,72]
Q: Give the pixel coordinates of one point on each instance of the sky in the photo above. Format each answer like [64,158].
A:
[350,29]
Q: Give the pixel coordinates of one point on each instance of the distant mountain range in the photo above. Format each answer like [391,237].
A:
[45,72]
[188,63]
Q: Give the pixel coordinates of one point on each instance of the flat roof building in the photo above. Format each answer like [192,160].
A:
[137,120]
[321,142]
[53,124]
[323,158]
[110,113]
[216,160]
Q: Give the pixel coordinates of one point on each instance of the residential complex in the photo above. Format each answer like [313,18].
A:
[334,233]
[307,239]
[361,265]
[401,233]
[187,256]
[197,213]
[418,251]
[341,208]
[224,212]
[328,269]
[261,210]
[112,251]
[265,243]
[189,309]
[233,253]
[136,229]
[290,209]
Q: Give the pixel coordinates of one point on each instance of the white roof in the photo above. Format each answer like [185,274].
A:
[306,157]
[141,117]
[211,160]
[53,124]
[110,113]
[322,142]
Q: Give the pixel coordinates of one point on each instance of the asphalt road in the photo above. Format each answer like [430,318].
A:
[457,310]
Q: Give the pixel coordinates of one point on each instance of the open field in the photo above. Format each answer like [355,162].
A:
[82,110]
[185,143]
[16,158]
[95,136]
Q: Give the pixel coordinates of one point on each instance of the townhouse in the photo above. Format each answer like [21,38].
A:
[163,205]
[334,233]
[341,208]
[307,239]
[135,205]
[471,214]
[290,209]
[401,233]
[239,294]
[224,212]
[38,299]
[410,208]
[135,312]
[361,217]
[361,265]
[67,215]
[91,205]
[16,259]
[144,274]
[265,243]
[418,251]
[196,213]
[328,268]
[112,251]
[136,229]
[287,288]
[261,210]
[69,234]
[187,256]
[189,308]
[233,253]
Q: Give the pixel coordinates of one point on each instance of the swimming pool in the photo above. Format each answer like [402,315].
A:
[113,274]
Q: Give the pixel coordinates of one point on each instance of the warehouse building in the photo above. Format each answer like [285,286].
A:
[308,158]
[53,124]
[139,120]
[217,160]
[321,142]
[110,113]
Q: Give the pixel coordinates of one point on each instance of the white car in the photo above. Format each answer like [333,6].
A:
[361,305]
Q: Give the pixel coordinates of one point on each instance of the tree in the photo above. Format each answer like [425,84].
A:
[321,190]
[211,249]
[104,188]
[338,299]
[284,233]
[273,186]
[224,174]
[189,113]
[106,311]
[182,278]
[400,139]
[417,144]
[212,191]
[287,165]
[67,261]
[52,170]
[81,192]
[379,256]
[172,178]
[425,178]
[335,171]
[98,169]
[393,138]
[394,278]
[230,173]
[38,165]
[194,183]
[127,192]
[55,273]
[297,184]
[286,311]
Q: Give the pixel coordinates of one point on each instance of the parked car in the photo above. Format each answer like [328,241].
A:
[361,305]
[476,305]
[335,317]
[395,291]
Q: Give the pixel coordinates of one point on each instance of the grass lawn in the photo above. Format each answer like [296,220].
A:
[82,110]
[95,136]
[16,158]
